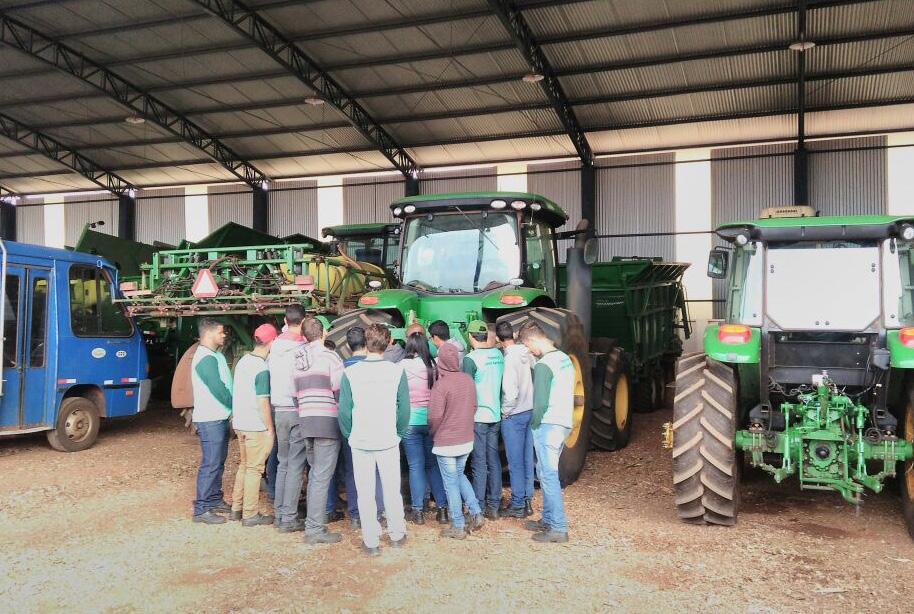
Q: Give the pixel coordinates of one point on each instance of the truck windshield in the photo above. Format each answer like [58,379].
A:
[461,252]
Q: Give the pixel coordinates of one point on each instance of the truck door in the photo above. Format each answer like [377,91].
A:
[12,349]
[35,346]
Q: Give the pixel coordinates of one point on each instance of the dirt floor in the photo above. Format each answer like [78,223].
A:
[109,529]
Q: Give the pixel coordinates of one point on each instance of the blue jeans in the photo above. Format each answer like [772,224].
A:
[344,472]
[549,441]
[486,463]
[458,488]
[422,467]
[214,448]
[272,466]
[515,430]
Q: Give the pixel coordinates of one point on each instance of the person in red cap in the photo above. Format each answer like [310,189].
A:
[253,423]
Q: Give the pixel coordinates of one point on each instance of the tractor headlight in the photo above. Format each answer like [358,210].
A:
[741,239]
[398,212]
[409,209]
[907,232]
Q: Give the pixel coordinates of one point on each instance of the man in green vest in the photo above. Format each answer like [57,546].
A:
[553,406]
[211,380]
[486,365]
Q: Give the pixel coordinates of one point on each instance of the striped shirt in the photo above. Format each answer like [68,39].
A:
[317,376]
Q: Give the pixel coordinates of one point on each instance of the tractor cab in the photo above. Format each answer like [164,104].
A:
[376,244]
[468,244]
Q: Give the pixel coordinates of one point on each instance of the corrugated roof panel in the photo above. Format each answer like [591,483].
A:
[13,61]
[894,51]
[62,18]
[82,136]
[862,89]
[483,65]
[195,99]
[210,66]
[300,141]
[860,17]
[143,154]
[30,163]
[45,185]
[681,75]
[688,39]
[13,89]
[265,119]
[327,164]
[188,174]
[48,117]
[450,100]
[481,126]
[509,149]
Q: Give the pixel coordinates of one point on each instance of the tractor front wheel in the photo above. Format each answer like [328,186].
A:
[360,317]
[564,328]
[906,478]
[705,469]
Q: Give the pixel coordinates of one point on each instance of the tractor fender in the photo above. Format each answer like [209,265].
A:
[746,353]
[902,357]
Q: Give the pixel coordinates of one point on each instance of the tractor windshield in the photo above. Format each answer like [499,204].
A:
[461,252]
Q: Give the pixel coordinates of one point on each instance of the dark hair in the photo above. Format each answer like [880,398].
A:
[312,329]
[417,347]
[439,329]
[294,315]
[530,330]
[504,331]
[355,338]
[204,325]
[480,337]
[329,344]
[377,338]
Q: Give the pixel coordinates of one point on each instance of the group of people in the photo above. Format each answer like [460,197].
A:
[295,400]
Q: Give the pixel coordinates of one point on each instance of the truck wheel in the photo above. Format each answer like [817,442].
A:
[705,469]
[611,424]
[360,317]
[77,425]
[906,479]
[565,330]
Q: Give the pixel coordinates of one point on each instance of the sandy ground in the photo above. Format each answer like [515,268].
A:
[109,529]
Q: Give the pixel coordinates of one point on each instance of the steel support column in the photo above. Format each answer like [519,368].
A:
[126,215]
[261,216]
[412,185]
[7,221]
[589,197]
[800,157]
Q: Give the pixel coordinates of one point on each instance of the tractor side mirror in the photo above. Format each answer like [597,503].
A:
[718,262]
[591,251]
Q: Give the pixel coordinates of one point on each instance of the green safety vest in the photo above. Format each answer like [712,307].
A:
[490,366]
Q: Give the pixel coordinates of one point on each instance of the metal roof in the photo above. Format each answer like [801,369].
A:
[442,78]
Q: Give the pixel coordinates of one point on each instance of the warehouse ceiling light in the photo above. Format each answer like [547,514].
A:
[801,46]
[135,120]
[533,77]
[314,101]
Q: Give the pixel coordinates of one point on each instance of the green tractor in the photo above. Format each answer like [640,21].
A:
[372,243]
[806,375]
[492,256]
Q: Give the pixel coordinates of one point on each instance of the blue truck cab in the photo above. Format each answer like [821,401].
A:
[70,355]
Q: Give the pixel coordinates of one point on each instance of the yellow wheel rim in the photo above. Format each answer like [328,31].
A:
[620,405]
[577,416]
[909,436]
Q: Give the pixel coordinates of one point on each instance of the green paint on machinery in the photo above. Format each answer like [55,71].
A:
[492,256]
[807,375]
[828,444]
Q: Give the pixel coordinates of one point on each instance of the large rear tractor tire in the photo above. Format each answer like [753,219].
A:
[565,330]
[649,392]
[705,468]
[360,317]
[611,424]
[906,479]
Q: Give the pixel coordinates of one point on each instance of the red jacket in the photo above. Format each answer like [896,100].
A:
[453,401]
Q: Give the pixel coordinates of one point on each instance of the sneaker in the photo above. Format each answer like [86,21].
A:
[371,551]
[551,537]
[443,515]
[355,523]
[515,512]
[221,508]
[291,527]
[536,525]
[324,537]
[235,515]
[476,522]
[209,518]
[257,520]
[415,516]
[491,512]
[528,508]
[335,516]
[398,543]
[454,533]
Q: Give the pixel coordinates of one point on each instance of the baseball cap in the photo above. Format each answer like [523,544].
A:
[477,326]
[265,333]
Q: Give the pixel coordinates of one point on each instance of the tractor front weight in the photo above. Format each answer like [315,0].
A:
[828,440]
